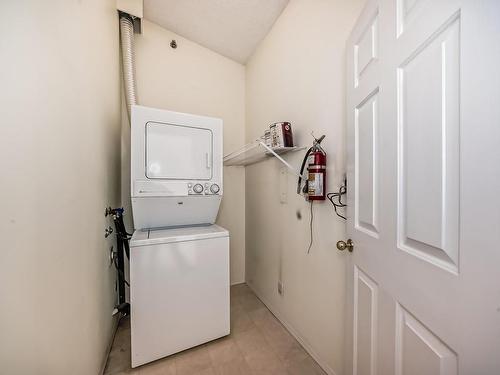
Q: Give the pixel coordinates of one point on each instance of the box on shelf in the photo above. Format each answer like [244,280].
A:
[281,134]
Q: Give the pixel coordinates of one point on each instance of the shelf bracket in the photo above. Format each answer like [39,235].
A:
[270,150]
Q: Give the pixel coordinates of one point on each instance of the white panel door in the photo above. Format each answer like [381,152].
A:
[423,111]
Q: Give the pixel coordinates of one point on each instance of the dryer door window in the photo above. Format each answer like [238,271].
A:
[178,152]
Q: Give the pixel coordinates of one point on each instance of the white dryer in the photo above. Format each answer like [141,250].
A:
[176,168]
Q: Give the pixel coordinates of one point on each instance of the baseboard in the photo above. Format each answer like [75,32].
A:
[237,283]
[114,328]
[295,334]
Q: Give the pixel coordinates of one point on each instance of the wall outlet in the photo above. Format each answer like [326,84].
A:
[281,288]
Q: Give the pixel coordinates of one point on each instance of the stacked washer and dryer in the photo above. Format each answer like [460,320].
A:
[179,259]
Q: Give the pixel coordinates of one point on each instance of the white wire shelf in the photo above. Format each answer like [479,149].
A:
[257,151]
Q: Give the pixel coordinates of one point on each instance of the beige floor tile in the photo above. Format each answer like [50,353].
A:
[224,350]
[251,341]
[260,316]
[161,367]
[250,302]
[288,350]
[122,338]
[237,310]
[270,322]
[234,302]
[128,372]
[193,361]
[236,367]
[207,371]
[240,293]
[241,322]
[307,366]
[295,353]
[118,361]
[273,371]
[265,361]
[240,290]
[280,340]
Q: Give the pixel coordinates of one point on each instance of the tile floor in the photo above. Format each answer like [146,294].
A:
[258,345]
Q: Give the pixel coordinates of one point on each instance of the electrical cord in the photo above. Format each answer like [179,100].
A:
[121,272]
[311,229]
[338,196]
[122,232]
[302,166]
[122,242]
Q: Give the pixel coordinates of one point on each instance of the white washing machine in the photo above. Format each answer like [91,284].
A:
[179,259]
[179,290]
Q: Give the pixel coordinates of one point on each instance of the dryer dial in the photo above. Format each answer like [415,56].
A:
[198,188]
[214,188]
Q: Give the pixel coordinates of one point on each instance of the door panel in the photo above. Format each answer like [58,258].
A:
[365,51]
[407,12]
[423,155]
[178,152]
[428,126]
[366,149]
[419,351]
[365,324]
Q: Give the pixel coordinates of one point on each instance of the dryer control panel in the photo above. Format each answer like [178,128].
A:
[200,188]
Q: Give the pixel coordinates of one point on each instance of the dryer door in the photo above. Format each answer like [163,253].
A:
[178,152]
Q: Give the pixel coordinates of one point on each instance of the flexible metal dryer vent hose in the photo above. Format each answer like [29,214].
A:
[127,42]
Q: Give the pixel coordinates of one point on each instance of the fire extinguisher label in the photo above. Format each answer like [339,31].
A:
[315,184]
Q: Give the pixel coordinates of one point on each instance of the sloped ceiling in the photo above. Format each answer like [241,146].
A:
[232,28]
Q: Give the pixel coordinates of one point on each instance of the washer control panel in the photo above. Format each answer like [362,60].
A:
[205,188]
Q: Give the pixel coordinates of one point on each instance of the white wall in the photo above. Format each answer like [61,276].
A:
[195,80]
[60,163]
[297,74]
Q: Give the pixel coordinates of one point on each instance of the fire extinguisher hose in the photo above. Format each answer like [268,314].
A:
[299,181]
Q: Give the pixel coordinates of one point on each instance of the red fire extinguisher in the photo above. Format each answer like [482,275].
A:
[315,185]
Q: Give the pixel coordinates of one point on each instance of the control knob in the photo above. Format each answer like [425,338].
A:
[198,188]
[214,188]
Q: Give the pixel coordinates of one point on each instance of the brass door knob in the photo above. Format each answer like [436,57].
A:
[342,245]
